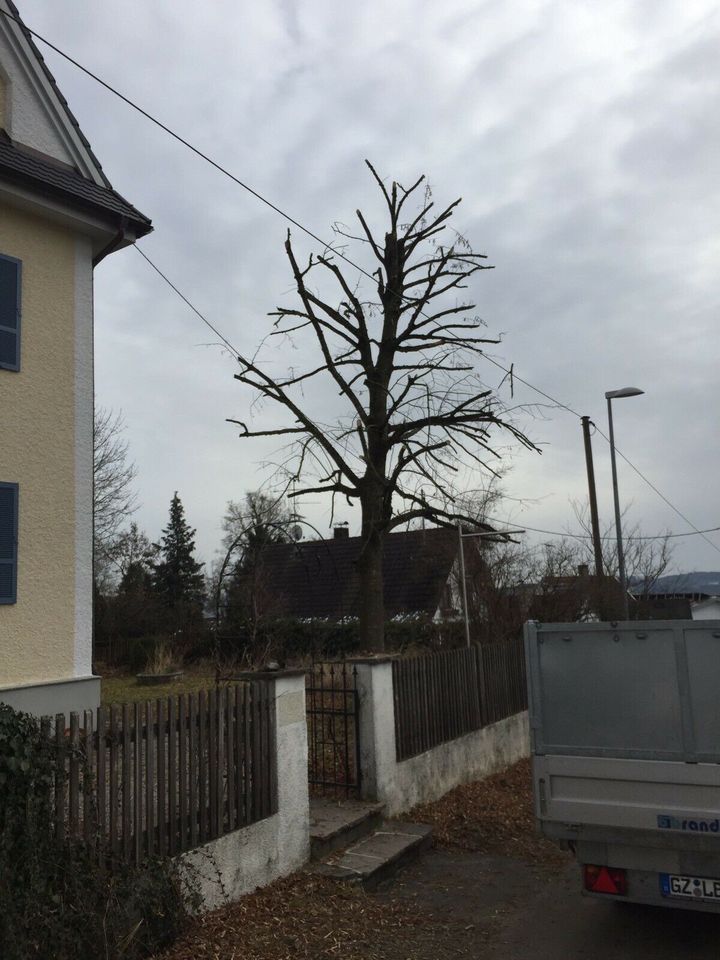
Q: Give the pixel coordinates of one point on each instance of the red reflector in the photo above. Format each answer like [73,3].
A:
[605,880]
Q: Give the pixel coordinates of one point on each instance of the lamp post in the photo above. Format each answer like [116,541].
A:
[610,396]
[463,581]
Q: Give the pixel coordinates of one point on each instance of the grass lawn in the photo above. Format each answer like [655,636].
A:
[121,687]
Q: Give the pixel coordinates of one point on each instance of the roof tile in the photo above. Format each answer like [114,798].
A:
[319,578]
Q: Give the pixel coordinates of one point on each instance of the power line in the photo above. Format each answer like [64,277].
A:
[185,300]
[661,495]
[587,536]
[186,143]
[258,196]
[552,533]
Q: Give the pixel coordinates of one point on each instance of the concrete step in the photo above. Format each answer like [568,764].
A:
[335,824]
[380,855]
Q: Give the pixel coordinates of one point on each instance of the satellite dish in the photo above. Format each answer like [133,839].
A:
[296,532]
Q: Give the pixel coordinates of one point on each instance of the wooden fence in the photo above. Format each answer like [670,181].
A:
[163,776]
[445,695]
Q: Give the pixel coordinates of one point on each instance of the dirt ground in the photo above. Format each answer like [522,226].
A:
[304,916]
[489,889]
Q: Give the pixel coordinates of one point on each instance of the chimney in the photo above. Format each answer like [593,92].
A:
[583,570]
[341,533]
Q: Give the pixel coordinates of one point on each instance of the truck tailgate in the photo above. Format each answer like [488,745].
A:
[664,797]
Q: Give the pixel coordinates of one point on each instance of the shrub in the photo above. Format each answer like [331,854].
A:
[62,899]
[288,640]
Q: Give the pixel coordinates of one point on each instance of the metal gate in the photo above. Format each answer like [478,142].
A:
[333,730]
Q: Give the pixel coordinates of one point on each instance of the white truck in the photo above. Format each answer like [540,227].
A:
[625,737]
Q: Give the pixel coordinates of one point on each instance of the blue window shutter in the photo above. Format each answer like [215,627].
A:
[10,276]
[8,542]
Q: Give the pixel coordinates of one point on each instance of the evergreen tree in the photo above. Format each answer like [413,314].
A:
[177,576]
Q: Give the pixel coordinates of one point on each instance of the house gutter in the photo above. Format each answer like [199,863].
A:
[111,247]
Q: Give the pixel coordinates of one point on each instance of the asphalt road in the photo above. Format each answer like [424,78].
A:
[502,909]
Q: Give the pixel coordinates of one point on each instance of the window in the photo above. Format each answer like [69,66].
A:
[10,272]
[8,542]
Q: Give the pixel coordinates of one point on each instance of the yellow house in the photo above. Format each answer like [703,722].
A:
[59,217]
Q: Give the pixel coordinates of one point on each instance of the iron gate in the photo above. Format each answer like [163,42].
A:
[333,730]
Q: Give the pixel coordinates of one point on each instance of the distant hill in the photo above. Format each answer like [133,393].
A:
[696,585]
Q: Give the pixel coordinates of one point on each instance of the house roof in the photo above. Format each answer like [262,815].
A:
[57,181]
[89,191]
[319,578]
[698,584]
[15,13]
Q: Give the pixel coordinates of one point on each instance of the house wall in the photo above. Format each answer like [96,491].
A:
[426,777]
[3,104]
[28,119]
[46,447]
[706,609]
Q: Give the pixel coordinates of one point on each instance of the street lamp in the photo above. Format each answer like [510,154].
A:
[466,536]
[610,396]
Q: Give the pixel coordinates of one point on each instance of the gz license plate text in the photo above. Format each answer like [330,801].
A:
[691,888]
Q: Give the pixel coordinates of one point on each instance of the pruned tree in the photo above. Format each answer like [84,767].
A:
[114,498]
[404,366]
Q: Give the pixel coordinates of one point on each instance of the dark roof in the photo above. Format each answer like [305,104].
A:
[60,182]
[319,578]
[53,83]
[699,584]
[661,608]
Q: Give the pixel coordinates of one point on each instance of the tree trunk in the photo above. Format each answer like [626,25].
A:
[370,571]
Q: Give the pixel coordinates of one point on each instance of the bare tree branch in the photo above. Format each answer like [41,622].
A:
[413,408]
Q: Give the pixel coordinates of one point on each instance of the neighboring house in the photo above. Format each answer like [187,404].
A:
[59,217]
[661,608]
[580,597]
[699,591]
[318,579]
[706,609]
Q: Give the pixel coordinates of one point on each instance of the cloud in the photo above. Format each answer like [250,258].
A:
[582,138]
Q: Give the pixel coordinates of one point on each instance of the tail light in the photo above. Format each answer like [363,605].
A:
[611,880]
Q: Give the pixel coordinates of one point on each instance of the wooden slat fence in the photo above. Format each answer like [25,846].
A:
[443,696]
[166,775]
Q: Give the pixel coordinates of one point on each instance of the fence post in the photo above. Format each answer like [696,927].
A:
[376,728]
[289,780]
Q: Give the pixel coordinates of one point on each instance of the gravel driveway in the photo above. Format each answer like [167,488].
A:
[521,911]
[490,889]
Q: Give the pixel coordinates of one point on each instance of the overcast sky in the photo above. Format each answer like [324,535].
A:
[583,138]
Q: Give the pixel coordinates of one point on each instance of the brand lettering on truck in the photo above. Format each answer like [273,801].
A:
[696,826]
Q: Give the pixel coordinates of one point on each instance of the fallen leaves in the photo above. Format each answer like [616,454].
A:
[304,916]
[493,816]
[307,917]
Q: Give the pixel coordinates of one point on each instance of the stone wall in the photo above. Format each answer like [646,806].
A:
[401,786]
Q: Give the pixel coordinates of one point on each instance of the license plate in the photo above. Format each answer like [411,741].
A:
[689,888]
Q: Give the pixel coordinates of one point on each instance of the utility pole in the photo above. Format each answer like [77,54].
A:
[463,582]
[594,521]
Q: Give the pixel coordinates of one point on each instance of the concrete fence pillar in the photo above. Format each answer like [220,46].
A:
[255,855]
[292,771]
[377,728]
[428,775]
